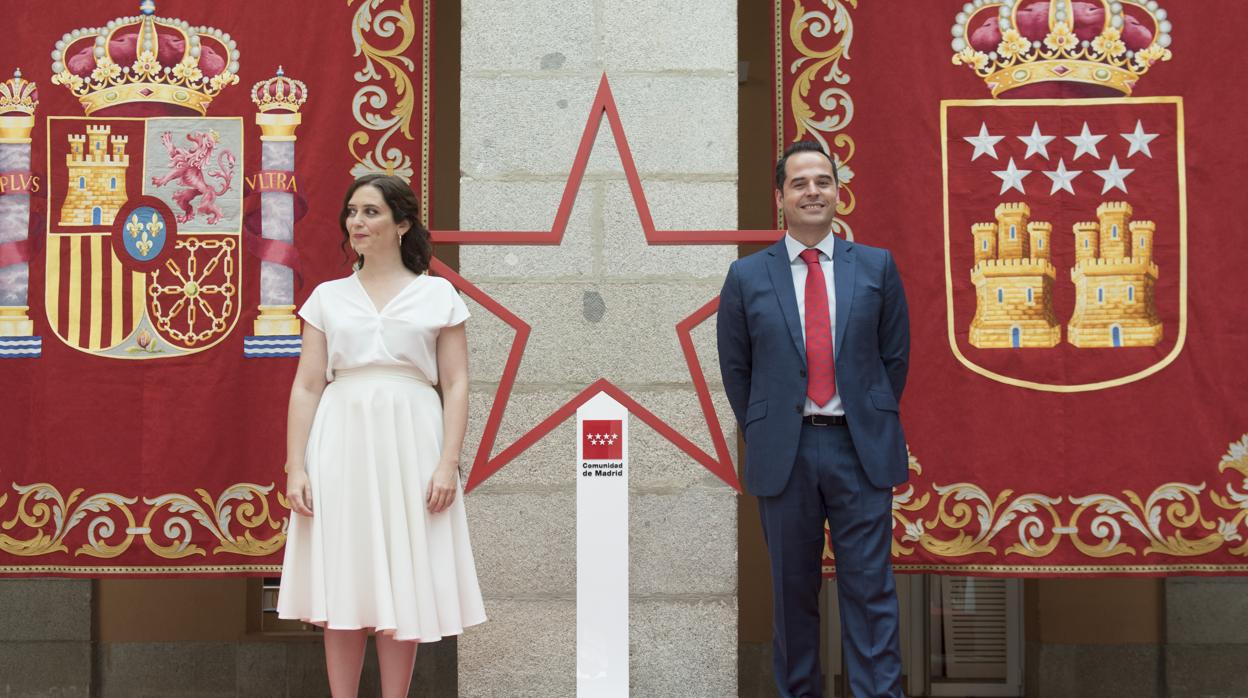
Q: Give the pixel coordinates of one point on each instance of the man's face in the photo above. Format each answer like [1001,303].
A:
[810,193]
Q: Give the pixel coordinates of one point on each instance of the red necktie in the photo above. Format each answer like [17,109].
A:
[821,381]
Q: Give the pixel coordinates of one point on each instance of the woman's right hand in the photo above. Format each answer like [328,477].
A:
[299,492]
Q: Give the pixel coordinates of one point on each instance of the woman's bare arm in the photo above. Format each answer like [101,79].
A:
[305,394]
[453,377]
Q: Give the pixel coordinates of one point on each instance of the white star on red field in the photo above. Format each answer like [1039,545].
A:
[985,143]
[1139,140]
[1085,143]
[601,439]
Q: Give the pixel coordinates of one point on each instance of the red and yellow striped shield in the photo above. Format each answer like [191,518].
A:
[143,254]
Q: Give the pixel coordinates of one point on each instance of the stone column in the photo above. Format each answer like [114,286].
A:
[277,329]
[603,304]
[18,100]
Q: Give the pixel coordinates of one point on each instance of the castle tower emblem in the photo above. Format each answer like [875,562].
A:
[97,165]
[1044,167]
[1013,278]
[1114,277]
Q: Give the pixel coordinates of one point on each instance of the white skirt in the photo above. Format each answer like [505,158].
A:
[372,556]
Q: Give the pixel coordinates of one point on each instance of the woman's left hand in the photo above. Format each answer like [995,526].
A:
[442,488]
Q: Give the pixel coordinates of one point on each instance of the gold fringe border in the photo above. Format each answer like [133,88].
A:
[140,570]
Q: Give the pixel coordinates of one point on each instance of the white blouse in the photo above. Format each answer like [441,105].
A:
[403,333]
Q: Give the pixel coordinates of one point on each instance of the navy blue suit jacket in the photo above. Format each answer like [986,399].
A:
[762,357]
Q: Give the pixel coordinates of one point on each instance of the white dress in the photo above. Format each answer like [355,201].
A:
[372,556]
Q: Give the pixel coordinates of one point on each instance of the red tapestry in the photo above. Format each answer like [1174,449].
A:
[1058,184]
[170,180]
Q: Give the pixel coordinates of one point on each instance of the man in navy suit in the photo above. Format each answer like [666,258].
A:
[819,409]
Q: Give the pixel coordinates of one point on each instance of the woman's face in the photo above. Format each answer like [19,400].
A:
[370,223]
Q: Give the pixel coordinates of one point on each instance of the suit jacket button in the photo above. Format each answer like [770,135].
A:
[798,409]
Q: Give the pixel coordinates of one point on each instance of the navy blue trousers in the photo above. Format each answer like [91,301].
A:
[828,483]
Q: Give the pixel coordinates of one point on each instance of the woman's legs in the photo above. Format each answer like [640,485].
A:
[396,657]
[344,658]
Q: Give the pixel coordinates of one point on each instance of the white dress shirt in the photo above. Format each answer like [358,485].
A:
[404,333]
[798,267]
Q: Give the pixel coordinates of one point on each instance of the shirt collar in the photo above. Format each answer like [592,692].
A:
[827,245]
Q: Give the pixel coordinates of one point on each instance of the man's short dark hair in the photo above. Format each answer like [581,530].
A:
[803,147]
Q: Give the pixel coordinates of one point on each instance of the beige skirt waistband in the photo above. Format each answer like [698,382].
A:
[381,371]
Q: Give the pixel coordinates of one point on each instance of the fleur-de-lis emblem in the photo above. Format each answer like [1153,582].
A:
[157,226]
[145,234]
[134,227]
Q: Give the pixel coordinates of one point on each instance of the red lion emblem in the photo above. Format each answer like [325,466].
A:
[187,166]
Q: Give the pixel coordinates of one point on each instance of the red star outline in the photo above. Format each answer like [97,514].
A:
[483,466]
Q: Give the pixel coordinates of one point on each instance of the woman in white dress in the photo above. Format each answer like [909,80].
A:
[378,538]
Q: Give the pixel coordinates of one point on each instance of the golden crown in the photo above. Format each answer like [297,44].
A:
[18,95]
[1035,48]
[279,93]
[146,60]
